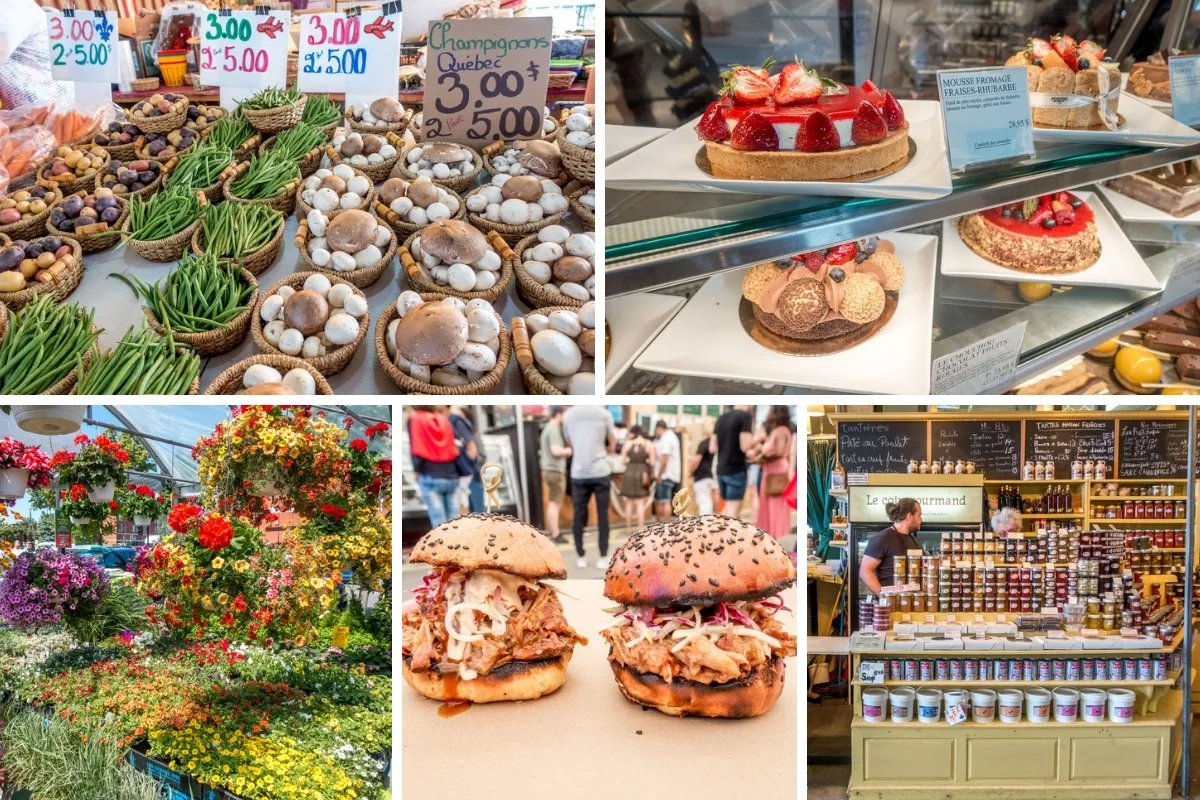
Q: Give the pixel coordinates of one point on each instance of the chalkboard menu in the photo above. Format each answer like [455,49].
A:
[877,447]
[1153,448]
[1063,441]
[994,446]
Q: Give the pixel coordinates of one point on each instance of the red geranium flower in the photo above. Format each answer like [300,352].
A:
[337,512]
[360,445]
[215,533]
[112,504]
[183,515]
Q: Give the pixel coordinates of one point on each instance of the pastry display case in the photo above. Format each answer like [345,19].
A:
[693,245]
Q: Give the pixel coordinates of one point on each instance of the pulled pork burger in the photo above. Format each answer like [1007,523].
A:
[483,627]
[696,633]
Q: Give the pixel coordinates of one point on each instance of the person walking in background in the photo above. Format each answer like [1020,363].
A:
[470,461]
[668,471]
[700,467]
[591,435]
[431,439]
[774,516]
[552,458]
[734,438]
[637,455]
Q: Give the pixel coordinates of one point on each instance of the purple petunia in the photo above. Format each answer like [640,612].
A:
[45,587]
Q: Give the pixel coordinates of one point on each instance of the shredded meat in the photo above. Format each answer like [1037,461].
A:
[423,652]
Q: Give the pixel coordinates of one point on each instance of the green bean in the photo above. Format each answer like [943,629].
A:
[200,167]
[45,341]
[164,214]
[320,111]
[271,98]
[267,177]
[296,142]
[236,231]
[143,362]
[231,132]
[200,295]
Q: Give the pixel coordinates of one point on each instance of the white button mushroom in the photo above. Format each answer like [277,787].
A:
[285,292]
[273,330]
[547,252]
[587,315]
[389,341]
[318,283]
[317,243]
[437,211]
[325,200]
[349,200]
[338,293]
[489,261]
[300,381]
[271,308]
[344,172]
[537,322]
[566,322]
[575,291]
[461,277]
[457,303]
[477,202]
[480,304]
[553,233]
[580,244]
[401,205]
[484,281]
[367,257]
[482,325]
[441,171]
[291,342]
[311,347]
[443,376]
[359,185]
[383,236]
[514,212]
[321,257]
[316,222]
[341,329]
[556,352]
[582,383]
[257,374]
[578,138]
[342,262]
[355,306]
[553,203]
[538,270]
[475,356]
[407,301]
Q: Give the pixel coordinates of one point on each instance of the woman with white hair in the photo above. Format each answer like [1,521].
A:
[1006,520]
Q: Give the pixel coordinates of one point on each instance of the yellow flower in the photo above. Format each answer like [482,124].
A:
[207,602]
[223,599]
[218,562]
[300,641]
[241,565]
[316,583]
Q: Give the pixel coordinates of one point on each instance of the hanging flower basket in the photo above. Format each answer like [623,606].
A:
[141,504]
[102,494]
[81,520]
[98,465]
[13,482]
[21,467]
[141,520]
[263,487]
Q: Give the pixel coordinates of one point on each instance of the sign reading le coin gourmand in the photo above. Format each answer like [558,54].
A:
[939,504]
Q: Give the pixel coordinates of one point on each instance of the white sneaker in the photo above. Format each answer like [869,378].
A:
[582,562]
[602,562]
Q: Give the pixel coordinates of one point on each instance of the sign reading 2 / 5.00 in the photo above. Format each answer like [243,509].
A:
[487,79]
[244,49]
[81,45]
[341,53]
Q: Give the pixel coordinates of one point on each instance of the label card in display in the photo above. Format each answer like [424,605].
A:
[486,79]
[244,49]
[81,45]
[987,115]
[1185,88]
[871,672]
[978,367]
[350,52]
[956,714]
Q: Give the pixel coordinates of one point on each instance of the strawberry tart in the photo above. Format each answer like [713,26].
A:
[1054,234]
[819,296]
[796,126]
[1070,84]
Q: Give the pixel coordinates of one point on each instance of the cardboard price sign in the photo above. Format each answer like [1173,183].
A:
[244,49]
[81,45]
[344,53]
[486,79]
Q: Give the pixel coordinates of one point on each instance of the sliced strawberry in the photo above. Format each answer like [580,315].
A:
[1091,51]
[893,114]
[1041,215]
[1038,48]
[764,70]
[754,132]
[812,261]
[797,85]
[817,134]
[712,126]
[747,85]
[1067,50]
[869,126]
[1057,206]
[869,86]
[842,253]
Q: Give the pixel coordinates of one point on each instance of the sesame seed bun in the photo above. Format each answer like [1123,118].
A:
[491,541]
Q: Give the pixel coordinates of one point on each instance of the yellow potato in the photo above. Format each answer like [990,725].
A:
[11,281]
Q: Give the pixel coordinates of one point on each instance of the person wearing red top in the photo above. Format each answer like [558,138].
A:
[431,439]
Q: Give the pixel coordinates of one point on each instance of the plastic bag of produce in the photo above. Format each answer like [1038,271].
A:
[81,121]
[3,180]
[21,150]
[21,117]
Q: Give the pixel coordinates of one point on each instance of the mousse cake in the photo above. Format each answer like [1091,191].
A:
[1061,68]
[1174,189]
[1151,78]
[1054,234]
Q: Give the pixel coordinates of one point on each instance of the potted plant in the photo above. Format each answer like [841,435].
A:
[22,466]
[98,465]
[80,508]
[141,504]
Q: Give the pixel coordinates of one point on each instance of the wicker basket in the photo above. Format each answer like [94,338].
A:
[562,178]
[243,151]
[141,149]
[69,187]
[411,385]
[35,226]
[459,183]
[95,242]
[284,202]
[273,120]
[586,215]
[397,128]
[255,264]
[170,248]
[58,288]
[144,84]
[328,364]
[172,121]
[512,233]
[362,278]
[579,161]
[534,294]
[309,163]
[194,389]
[221,340]
[302,208]
[405,228]
[143,192]
[378,173]
[418,281]
[120,152]
[534,380]
[561,81]
[213,193]
[230,381]
[67,384]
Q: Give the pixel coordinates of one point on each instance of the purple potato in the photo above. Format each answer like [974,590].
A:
[68,225]
[146,177]
[34,249]
[110,215]
[72,206]
[10,257]
[39,192]
[57,217]
[52,243]
[133,187]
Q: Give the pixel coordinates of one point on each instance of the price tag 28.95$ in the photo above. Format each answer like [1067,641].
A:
[81,45]
[244,49]
[486,79]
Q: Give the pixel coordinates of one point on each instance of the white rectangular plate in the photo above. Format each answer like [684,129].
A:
[1132,210]
[1144,125]
[634,321]
[1119,265]
[707,339]
[669,164]
[621,140]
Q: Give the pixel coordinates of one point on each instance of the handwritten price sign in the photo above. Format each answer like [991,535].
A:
[81,45]
[244,49]
[487,79]
[341,53]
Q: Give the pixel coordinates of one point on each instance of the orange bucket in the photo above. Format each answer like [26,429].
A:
[173,65]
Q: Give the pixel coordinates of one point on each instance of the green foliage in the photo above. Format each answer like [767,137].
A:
[379,621]
[121,609]
[354,617]
[80,658]
[139,456]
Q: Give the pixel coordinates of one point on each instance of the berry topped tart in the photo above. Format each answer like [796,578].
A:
[796,126]
[828,300]
[1054,234]
[1070,85]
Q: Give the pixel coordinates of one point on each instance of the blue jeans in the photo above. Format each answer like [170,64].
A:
[477,504]
[733,487]
[438,494]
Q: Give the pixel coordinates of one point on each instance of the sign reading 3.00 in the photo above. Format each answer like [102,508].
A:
[245,49]
[341,53]
[81,45]
[486,79]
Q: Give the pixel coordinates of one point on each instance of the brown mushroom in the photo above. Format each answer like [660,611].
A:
[422,192]
[372,143]
[453,241]
[431,334]
[573,269]
[540,157]
[351,230]
[587,342]
[306,311]
[442,153]
[334,182]
[353,145]
[387,109]
[392,188]
[522,187]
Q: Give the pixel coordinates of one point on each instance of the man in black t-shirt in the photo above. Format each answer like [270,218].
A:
[735,437]
[877,567]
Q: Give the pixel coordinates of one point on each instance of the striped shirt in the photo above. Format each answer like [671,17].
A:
[587,429]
